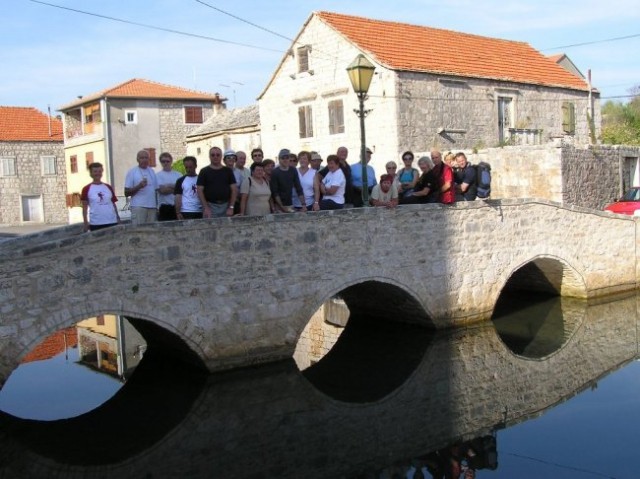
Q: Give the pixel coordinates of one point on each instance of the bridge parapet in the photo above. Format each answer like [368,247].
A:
[240,290]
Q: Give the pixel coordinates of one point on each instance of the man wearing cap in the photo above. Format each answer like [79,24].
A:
[217,187]
[283,182]
[356,178]
[316,160]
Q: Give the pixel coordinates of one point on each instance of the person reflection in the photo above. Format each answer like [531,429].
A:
[462,460]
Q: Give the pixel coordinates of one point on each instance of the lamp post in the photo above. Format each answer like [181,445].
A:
[361,73]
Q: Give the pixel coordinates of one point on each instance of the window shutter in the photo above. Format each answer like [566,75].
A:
[568,117]
[152,156]
[74,163]
[88,157]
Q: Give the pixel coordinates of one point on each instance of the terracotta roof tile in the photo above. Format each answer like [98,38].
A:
[53,345]
[401,46]
[27,124]
[138,88]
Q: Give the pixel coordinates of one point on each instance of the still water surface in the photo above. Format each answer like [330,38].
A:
[550,388]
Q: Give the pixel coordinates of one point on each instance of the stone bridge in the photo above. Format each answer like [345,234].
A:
[237,291]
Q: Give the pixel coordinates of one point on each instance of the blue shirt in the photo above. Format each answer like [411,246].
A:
[356,176]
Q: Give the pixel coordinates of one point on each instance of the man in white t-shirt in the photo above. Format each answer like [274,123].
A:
[99,201]
[385,193]
[167,178]
[141,185]
[188,204]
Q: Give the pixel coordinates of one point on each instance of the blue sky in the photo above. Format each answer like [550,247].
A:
[50,55]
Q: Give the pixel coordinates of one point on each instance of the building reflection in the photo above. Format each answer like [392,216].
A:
[110,344]
[275,421]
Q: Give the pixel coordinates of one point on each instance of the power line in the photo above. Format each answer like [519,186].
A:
[593,42]
[153,27]
[244,21]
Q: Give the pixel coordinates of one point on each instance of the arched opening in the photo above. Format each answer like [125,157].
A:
[366,341]
[157,385]
[547,275]
[540,307]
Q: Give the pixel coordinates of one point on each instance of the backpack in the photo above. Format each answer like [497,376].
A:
[483,175]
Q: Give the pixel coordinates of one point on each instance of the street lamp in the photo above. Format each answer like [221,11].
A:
[361,73]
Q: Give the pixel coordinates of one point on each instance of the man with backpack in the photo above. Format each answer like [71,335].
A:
[466,179]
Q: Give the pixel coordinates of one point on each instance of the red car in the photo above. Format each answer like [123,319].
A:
[629,204]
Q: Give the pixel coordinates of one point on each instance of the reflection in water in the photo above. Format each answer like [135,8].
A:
[270,421]
[109,346]
[534,325]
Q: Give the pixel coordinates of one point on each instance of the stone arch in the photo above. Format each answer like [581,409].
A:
[381,346]
[379,297]
[162,334]
[546,274]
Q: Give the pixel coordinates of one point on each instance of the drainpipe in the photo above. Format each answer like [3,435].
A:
[104,106]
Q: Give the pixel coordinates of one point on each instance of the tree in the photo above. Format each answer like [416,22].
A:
[621,122]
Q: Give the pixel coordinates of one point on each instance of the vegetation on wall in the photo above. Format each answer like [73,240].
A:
[621,121]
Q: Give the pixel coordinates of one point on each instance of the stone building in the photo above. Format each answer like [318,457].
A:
[431,87]
[237,129]
[111,126]
[32,172]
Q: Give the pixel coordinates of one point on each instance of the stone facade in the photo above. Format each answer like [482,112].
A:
[211,269]
[407,111]
[44,193]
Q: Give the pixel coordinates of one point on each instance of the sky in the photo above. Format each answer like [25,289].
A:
[51,55]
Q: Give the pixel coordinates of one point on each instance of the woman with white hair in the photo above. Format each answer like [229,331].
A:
[424,187]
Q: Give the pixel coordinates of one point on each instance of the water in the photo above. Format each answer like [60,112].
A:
[549,390]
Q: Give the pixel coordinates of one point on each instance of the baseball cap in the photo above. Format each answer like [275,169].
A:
[284,152]
[230,153]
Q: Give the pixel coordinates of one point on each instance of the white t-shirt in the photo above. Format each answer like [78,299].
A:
[334,178]
[306,181]
[189,191]
[167,178]
[100,199]
[145,197]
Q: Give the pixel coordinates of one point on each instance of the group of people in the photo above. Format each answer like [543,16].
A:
[298,182]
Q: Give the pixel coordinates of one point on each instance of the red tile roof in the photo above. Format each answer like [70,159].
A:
[53,345]
[399,46]
[138,88]
[19,123]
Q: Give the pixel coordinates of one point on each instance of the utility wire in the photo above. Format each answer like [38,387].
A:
[593,42]
[153,27]
[244,21]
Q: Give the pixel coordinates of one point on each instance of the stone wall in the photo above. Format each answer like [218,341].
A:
[174,130]
[30,181]
[462,113]
[594,176]
[588,176]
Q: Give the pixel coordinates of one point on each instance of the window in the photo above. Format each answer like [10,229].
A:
[92,118]
[305,118]
[568,117]
[303,58]
[152,156]
[8,166]
[73,200]
[130,117]
[73,160]
[48,165]
[88,158]
[336,117]
[193,114]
